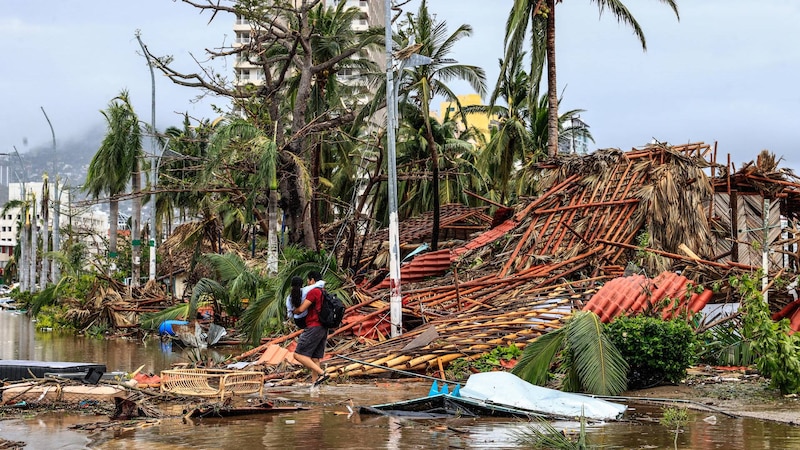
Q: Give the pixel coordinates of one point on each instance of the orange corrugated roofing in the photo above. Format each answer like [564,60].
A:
[275,354]
[636,293]
[421,267]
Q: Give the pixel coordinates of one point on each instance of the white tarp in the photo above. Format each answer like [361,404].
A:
[504,388]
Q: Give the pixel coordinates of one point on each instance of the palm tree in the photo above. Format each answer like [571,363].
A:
[243,156]
[457,155]
[181,180]
[540,16]
[331,160]
[588,359]
[45,208]
[511,140]
[527,175]
[425,82]
[116,161]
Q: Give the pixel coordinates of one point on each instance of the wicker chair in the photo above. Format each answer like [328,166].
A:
[211,382]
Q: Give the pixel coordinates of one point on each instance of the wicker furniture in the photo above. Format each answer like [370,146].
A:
[211,382]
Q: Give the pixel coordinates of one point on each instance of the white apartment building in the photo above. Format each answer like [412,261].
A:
[90,224]
[372,15]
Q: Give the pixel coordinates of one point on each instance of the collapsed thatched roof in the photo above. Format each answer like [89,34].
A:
[182,249]
[597,215]
[523,277]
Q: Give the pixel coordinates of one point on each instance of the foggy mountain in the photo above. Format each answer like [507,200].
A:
[70,160]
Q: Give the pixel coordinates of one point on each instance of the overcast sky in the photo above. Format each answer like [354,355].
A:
[724,73]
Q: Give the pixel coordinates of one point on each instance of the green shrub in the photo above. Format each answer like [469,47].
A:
[52,317]
[492,360]
[460,368]
[656,350]
[776,347]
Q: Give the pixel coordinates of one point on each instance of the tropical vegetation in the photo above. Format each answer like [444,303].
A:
[657,351]
[536,19]
[581,353]
[294,176]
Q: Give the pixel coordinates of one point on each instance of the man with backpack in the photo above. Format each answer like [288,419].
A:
[311,344]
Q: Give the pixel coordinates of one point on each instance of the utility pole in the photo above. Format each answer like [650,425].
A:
[153,161]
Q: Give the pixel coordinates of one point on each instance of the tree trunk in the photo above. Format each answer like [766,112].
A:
[45,236]
[136,220]
[552,87]
[24,250]
[113,221]
[272,236]
[56,269]
[294,202]
[301,229]
[316,156]
[33,248]
[434,183]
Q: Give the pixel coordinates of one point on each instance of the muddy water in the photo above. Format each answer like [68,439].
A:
[327,422]
[19,339]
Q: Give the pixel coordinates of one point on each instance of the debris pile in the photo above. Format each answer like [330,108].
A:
[668,210]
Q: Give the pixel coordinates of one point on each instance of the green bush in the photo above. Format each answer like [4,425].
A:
[776,346]
[656,350]
[460,368]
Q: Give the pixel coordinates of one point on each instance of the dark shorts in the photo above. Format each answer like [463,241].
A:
[312,342]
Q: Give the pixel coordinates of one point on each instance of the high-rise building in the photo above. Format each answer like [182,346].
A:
[372,14]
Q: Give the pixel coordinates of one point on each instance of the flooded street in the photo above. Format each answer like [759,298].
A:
[19,339]
[327,422]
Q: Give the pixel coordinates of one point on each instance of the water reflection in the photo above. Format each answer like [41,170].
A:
[19,339]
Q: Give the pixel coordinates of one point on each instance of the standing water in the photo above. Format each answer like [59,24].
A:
[19,339]
[326,421]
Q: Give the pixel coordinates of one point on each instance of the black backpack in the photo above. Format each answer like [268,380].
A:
[332,310]
[299,322]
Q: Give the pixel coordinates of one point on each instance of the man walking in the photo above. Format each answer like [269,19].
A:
[311,344]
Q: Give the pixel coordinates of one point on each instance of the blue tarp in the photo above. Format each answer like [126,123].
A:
[166,326]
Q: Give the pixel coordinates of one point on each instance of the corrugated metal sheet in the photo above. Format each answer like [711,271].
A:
[637,293]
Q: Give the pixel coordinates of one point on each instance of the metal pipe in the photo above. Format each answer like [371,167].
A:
[417,375]
[697,404]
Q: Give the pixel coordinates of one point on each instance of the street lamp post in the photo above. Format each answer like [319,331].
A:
[395,299]
[152,238]
[55,274]
[153,162]
[413,60]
